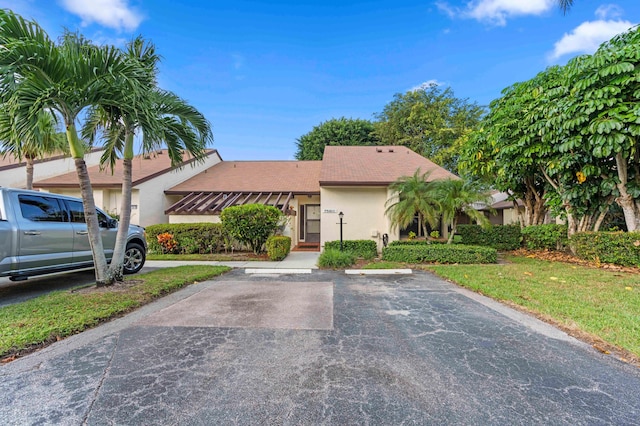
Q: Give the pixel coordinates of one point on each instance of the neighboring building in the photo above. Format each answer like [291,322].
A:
[152,174]
[13,173]
[353,180]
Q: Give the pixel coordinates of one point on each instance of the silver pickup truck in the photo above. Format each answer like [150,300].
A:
[41,233]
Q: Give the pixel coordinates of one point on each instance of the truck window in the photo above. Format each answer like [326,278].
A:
[40,209]
[77,214]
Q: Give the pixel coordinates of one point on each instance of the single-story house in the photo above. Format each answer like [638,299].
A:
[13,172]
[152,174]
[353,180]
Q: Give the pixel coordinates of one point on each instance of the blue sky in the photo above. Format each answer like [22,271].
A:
[265,73]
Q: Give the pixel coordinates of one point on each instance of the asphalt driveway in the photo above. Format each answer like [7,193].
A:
[322,348]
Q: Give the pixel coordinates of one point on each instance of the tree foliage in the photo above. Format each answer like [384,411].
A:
[337,131]
[431,121]
[569,137]
[251,224]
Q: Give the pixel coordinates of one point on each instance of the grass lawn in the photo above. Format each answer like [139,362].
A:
[32,324]
[599,305]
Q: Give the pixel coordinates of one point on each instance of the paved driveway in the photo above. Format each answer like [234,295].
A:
[323,348]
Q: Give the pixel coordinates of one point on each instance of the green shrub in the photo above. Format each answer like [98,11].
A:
[278,247]
[332,258]
[439,253]
[500,237]
[251,224]
[367,249]
[549,236]
[620,248]
[190,237]
[416,242]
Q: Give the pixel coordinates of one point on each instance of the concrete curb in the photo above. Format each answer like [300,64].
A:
[277,271]
[377,271]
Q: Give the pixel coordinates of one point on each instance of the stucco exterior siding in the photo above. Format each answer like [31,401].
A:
[364,214]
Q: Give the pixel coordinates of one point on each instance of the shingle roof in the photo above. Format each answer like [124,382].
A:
[144,168]
[374,165]
[255,176]
[9,161]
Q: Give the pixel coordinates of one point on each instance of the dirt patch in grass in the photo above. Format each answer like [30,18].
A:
[558,256]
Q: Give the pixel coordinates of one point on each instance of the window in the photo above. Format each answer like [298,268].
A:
[41,209]
[76,209]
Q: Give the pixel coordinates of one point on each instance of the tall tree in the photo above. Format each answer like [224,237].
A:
[414,195]
[458,196]
[565,5]
[66,77]
[337,131]
[43,140]
[160,118]
[431,121]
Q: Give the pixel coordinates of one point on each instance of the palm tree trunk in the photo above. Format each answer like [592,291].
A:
[29,172]
[454,228]
[90,214]
[115,269]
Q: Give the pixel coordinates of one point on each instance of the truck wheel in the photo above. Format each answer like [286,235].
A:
[134,257]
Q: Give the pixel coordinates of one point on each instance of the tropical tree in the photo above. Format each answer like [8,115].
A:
[414,195]
[458,196]
[66,77]
[565,5]
[42,140]
[431,121]
[337,131]
[160,117]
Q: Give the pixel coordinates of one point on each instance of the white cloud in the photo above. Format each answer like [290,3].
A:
[497,12]
[110,13]
[426,85]
[608,11]
[588,36]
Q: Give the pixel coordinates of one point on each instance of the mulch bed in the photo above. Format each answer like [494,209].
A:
[558,256]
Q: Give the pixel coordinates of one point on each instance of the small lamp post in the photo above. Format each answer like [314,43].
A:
[341,216]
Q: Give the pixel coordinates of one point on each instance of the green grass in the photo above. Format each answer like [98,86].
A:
[384,265]
[602,303]
[56,315]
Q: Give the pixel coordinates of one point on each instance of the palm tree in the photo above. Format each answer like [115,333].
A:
[415,196]
[457,196]
[38,74]
[160,117]
[565,5]
[43,140]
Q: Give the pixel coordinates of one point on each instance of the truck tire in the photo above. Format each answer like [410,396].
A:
[134,257]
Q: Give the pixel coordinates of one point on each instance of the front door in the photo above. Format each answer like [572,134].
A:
[312,223]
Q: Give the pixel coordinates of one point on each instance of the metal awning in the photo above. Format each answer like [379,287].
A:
[202,203]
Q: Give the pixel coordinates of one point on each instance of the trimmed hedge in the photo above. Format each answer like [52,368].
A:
[278,247]
[191,237]
[367,249]
[500,237]
[549,236]
[440,253]
[416,242]
[620,248]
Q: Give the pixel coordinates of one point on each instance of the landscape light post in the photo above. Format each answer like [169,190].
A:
[341,216]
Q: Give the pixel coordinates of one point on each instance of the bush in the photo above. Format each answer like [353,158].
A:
[620,248]
[332,258]
[251,224]
[278,247]
[500,237]
[367,249]
[549,236]
[185,237]
[416,242]
[439,253]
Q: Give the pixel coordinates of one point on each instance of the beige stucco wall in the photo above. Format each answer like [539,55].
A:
[17,177]
[192,218]
[364,217]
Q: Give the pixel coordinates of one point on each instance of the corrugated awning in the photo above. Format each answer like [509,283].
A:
[202,203]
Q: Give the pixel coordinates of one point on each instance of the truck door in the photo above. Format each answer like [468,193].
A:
[81,247]
[45,237]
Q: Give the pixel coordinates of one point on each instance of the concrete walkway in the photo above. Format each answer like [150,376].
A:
[295,260]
